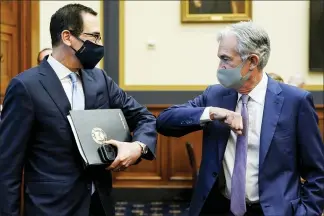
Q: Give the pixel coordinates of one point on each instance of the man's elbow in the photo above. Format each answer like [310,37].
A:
[166,125]
[166,130]
[159,126]
[162,127]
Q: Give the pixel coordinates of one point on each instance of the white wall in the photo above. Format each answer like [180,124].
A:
[186,54]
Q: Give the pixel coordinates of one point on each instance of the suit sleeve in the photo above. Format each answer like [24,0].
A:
[311,150]
[15,127]
[179,120]
[140,121]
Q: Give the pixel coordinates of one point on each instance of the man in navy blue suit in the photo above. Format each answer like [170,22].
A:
[35,133]
[259,136]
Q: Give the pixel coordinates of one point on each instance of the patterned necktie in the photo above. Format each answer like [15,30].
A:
[238,205]
[77,98]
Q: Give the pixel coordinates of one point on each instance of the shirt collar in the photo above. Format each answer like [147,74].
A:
[258,93]
[60,70]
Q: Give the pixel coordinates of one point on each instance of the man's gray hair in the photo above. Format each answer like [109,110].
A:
[251,39]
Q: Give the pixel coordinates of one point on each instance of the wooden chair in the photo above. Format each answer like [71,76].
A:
[193,164]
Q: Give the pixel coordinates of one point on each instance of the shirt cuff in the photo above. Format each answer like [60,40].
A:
[205,116]
[143,146]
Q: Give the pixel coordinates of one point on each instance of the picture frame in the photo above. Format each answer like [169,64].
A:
[316,34]
[215,11]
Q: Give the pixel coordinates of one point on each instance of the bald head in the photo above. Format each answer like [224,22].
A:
[42,54]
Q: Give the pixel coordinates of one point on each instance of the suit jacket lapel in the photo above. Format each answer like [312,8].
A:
[271,113]
[54,88]
[229,102]
[89,88]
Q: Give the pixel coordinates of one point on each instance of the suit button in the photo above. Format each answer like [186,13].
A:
[214,174]
[89,186]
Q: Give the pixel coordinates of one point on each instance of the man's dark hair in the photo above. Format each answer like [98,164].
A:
[68,18]
[39,54]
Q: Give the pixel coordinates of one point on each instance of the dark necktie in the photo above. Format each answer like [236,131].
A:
[238,205]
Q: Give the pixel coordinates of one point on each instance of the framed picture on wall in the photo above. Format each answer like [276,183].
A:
[316,35]
[215,11]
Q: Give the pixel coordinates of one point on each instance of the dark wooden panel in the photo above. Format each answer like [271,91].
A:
[8,50]
[9,13]
[320,113]
[26,22]
[171,169]
[16,28]
[179,166]
[9,41]
[147,172]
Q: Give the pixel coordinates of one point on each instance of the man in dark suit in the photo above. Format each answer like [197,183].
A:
[35,133]
[259,136]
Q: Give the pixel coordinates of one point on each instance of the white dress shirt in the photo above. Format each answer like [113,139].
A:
[62,73]
[255,111]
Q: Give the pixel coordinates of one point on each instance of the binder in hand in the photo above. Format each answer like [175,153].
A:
[91,128]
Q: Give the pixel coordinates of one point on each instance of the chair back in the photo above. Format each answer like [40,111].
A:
[192,161]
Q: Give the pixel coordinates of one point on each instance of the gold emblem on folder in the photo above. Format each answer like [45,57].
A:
[98,135]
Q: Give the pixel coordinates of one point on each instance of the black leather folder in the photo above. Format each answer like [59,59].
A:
[92,127]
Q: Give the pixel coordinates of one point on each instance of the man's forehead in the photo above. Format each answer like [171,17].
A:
[91,23]
[227,45]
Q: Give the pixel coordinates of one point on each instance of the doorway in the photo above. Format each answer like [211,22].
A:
[19,39]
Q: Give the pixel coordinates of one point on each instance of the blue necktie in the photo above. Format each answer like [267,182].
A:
[77,101]
[238,204]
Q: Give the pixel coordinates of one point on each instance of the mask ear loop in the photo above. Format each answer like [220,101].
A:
[248,73]
[73,49]
[77,39]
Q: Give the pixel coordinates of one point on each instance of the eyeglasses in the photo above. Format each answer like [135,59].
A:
[95,35]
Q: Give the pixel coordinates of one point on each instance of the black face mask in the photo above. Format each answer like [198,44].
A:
[89,54]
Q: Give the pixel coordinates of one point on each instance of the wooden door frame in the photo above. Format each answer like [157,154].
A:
[35,32]
[28,33]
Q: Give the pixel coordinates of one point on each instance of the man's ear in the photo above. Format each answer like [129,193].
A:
[66,37]
[254,61]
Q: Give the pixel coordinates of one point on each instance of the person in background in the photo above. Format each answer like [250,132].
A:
[297,80]
[259,136]
[41,55]
[35,132]
[276,77]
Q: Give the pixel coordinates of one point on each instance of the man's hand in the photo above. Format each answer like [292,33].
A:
[232,119]
[128,153]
